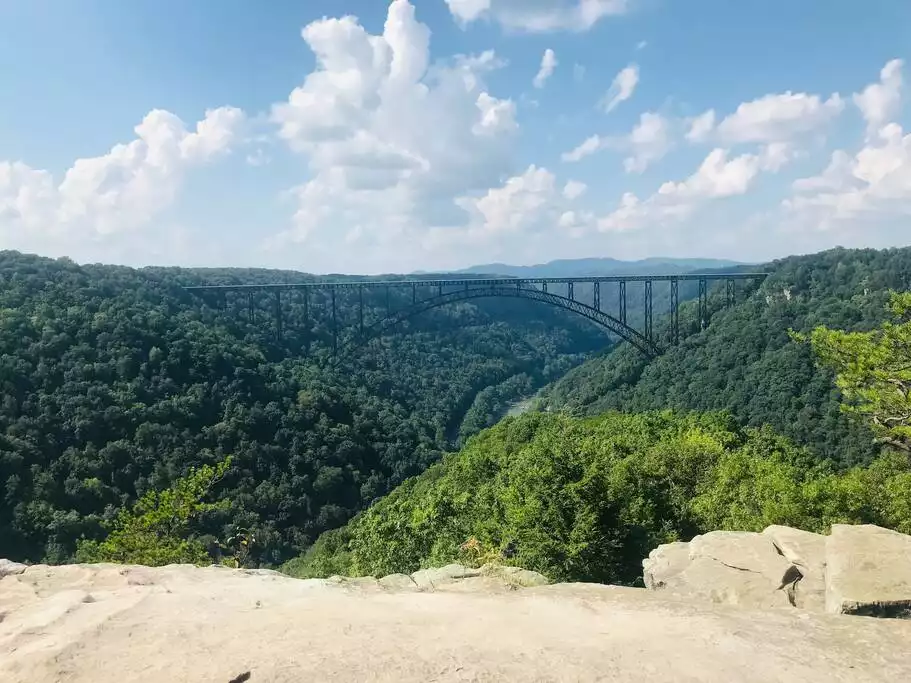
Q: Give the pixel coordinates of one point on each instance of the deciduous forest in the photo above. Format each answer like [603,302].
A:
[140,422]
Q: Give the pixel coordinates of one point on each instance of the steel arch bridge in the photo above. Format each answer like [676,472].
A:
[449,291]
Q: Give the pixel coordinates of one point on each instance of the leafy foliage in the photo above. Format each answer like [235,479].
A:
[873,371]
[745,361]
[157,530]
[115,382]
[587,499]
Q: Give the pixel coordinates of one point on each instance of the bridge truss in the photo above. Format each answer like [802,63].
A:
[559,292]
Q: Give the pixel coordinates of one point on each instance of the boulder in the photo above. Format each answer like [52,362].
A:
[868,571]
[398,582]
[7,568]
[429,579]
[663,562]
[514,577]
[728,567]
[807,551]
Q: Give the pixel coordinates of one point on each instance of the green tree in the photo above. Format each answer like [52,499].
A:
[873,371]
[158,529]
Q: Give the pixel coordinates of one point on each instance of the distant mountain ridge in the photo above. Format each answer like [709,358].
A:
[586,267]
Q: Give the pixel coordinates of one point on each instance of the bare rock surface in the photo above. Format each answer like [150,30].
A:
[856,569]
[868,571]
[807,551]
[7,567]
[110,624]
[727,567]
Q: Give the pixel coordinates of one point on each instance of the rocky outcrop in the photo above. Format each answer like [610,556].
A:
[111,624]
[7,567]
[864,570]
[868,571]
[452,577]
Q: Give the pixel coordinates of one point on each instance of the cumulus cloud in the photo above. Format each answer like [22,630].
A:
[390,139]
[622,87]
[574,189]
[115,193]
[649,141]
[717,177]
[537,16]
[879,101]
[586,148]
[548,64]
[701,127]
[778,117]
[873,184]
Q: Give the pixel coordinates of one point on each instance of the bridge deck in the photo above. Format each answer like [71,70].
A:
[486,282]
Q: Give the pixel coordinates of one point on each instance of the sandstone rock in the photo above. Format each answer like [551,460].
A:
[728,567]
[663,562]
[398,582]
[428,579]
[7,568]
[807,551]
[187,624]
[514,576]
[868,571]
[357,582]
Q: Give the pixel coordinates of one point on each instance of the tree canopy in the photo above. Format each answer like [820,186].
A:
[746,362]
[873,371]
[586,499]
[116,382]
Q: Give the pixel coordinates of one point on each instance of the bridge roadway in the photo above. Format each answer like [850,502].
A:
[489,282]
[451,290]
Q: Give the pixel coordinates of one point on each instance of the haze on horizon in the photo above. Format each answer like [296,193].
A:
[366,137]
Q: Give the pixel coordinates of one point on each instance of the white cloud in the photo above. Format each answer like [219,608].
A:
[872,185]
[588,147]
[531,204]
[574,189]
[517,204]
[879,101]
[622,88]
[776,118]
[717,177]
[548,64]
[390,140]
[701,126]
[116,193]
[538,16]
[648,142]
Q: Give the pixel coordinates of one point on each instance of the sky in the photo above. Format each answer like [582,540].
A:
[356,136]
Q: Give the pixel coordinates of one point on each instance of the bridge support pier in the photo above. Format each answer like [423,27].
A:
[674,313]
[648,310]
[703,303]
[623,301]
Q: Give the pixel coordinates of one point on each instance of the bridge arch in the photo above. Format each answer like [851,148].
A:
[605,320]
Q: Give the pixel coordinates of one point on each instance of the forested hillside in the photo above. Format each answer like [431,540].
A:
[747,363]
[587,499]
[115,381]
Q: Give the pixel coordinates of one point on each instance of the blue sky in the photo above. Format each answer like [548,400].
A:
[367,137]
